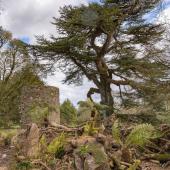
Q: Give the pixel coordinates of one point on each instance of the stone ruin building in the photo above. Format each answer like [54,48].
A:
[35,100]
[41,97]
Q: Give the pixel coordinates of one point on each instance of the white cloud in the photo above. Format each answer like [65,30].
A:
[74,93]
[32,17]
[165,15]
[27,18]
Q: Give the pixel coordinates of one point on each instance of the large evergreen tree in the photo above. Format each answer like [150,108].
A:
[110,43]
[68,113]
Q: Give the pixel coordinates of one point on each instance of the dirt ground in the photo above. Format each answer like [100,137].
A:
[5,157]
[152,166]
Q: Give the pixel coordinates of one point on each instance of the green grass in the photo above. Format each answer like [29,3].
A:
[8,133]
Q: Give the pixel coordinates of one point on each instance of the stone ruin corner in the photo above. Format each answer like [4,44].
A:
[40,96]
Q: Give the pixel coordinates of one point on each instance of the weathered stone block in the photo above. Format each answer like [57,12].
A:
[31,146]
[40,102]
[26,142]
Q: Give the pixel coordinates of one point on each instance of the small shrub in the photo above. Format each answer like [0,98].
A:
[116,132]
[26,165]
[89,129]
[37,114]
[56,147]
[68,113]
[163,117]
[135,165]
[43,141]
[83,150]
[7,134]
[52,162]
[43,146]
[60,152]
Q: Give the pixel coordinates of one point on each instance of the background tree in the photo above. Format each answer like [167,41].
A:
[112,45]
[13,55]
[10,95]
[16,71]
[68,113]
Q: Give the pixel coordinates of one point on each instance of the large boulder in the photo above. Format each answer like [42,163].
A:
[32,141]
[27,142]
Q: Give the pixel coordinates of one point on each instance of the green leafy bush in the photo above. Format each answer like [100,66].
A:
[26,165]
[10,93]
[7,134]
[37,114]
[135,165]
[89,129]
[83,150]
[56,147]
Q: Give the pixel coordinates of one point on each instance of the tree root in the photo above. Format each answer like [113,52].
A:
[159,157]
[40,163]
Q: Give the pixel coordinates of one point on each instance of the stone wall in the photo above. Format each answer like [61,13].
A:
[41,97]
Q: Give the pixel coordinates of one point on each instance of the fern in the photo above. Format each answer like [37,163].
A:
[116,132]
[83,150]
[57,145]
[163,117]
[135,165]
[89,129]
[141,135]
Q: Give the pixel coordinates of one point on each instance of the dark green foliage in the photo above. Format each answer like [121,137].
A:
[163,117]
[139,136]
[68,113]
[56,147]
[10,94]
[83,150]
[60,153]
[26,165]
[110,44]
[17,70]
[37,114]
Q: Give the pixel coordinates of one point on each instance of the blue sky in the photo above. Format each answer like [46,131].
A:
[25,39]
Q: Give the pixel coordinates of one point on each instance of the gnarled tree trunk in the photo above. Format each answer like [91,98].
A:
[107,98]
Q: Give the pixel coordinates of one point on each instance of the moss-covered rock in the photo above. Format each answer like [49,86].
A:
[94,156]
